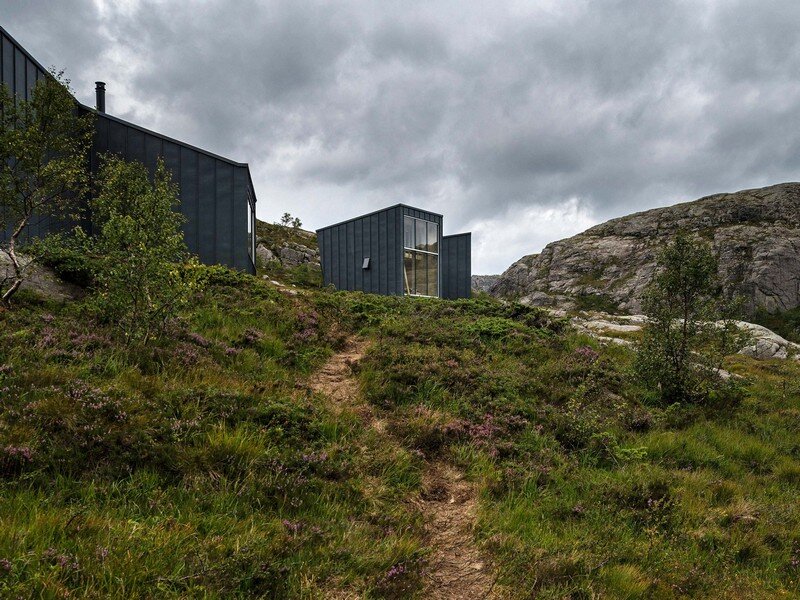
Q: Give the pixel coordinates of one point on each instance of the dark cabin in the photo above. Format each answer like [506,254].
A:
[216,193]
[396,251]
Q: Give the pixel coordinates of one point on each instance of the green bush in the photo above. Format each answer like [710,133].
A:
[144,271]
[689,329]
[67,255]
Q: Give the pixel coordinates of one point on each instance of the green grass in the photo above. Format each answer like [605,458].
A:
[194,467]
[202,466]
[587,490]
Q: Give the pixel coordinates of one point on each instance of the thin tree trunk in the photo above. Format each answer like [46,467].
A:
[12,254]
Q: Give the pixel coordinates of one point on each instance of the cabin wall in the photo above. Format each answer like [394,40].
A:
[216,194]
[377,236]
[456,261]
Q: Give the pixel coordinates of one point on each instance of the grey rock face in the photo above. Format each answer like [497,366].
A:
[288,254]
[41,280]
[293,255]
[756,234]
[763,343]
[264,254]
[484,282]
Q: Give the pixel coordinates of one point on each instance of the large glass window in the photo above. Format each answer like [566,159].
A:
[420,257]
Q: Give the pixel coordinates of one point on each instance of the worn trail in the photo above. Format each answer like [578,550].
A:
[456,568]
[448,501]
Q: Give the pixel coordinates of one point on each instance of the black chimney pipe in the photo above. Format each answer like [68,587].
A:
[100,93]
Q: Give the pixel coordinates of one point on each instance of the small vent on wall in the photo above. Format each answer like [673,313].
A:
[365,264]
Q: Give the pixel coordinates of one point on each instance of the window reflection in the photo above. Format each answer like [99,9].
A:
[420,257]
[421,237]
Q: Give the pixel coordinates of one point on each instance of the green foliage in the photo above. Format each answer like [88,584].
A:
[287,220]
[201,465]
[785,324]
[144,271]
[67,255]
[596,302]
[682,346]
[44,145]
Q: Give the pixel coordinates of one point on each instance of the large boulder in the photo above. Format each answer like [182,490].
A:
[263,254]
[40,279]
[756,234]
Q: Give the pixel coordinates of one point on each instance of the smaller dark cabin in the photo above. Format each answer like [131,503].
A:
[396,251]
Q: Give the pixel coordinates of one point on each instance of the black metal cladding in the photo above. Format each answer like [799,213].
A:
[379,237]
[215,193]
[456,254]
[20,71]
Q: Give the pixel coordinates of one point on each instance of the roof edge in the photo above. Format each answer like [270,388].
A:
[380,210]
[22,49]
[164,137]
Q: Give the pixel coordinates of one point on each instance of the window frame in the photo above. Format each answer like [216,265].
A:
[251,228]
[412,250]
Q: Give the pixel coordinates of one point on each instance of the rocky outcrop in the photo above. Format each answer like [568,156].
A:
[288,254]
[761,343]
[40,279]
[483,283]
[756,234]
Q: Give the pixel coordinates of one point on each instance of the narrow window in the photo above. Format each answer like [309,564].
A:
[433,275]
[420,257]
[251,229]
[408,273]
[433,237]
[421,235]
[408,232]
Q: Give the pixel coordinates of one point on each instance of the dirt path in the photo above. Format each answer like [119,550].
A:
[335,379]
[448,501]
[456,568]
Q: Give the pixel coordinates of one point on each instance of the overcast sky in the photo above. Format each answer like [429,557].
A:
[524,122]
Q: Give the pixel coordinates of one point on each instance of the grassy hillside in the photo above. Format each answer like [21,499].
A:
[204,466]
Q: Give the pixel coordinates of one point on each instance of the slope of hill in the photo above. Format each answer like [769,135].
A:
[755,232]
[309,443]
[290,254]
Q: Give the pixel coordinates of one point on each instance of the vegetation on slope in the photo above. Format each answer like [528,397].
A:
[198,465]
[587,491]
[278,234]
[786,324]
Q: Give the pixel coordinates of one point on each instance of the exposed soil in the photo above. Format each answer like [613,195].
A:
[455,569]
[336,381]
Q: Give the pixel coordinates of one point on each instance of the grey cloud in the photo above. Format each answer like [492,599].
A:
[416,42]
[64,35]
[479,112]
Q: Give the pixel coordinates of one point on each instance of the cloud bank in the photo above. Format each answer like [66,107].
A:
[521,121]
